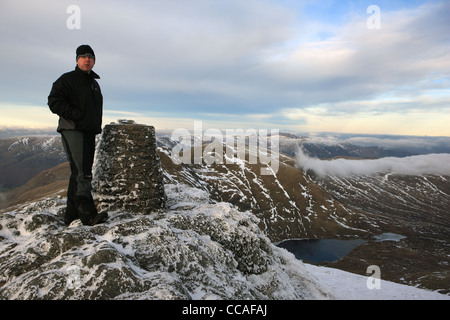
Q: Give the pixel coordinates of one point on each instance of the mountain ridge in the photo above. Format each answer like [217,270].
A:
[22,158]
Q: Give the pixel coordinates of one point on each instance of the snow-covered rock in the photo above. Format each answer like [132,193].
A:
[127,171]
[203,251]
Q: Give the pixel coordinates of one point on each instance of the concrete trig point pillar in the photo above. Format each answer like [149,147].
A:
[127,169]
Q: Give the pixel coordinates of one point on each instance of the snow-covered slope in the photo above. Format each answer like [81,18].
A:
[350,286]
[194,249]
[288,203]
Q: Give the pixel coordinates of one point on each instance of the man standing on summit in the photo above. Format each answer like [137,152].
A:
[76,98]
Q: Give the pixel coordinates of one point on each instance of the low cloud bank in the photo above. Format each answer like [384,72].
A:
[413,165]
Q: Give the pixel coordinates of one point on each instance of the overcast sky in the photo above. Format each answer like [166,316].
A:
[309,66]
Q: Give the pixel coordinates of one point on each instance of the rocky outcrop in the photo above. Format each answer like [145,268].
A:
[127,170]
[193,250]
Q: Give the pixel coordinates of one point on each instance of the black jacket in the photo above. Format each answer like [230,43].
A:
[77,99]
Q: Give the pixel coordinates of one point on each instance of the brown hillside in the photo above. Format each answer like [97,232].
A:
[48,182]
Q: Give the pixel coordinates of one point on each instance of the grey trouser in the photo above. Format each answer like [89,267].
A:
[80,148]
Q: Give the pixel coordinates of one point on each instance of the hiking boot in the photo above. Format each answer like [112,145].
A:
[86,209]
[71,212]
[99,218]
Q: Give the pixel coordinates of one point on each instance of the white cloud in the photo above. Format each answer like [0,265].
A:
[413,165]
[360,64]
[413,144]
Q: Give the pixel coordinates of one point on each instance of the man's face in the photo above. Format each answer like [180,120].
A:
[86,63]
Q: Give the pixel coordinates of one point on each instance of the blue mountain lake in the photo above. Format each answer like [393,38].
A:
[328,250]
[320,250]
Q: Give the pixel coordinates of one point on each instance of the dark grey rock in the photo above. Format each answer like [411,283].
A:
[127,169]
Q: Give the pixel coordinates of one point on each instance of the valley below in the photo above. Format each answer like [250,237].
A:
[413,206]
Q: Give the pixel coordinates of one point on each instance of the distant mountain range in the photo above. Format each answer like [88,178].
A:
[22,158]
[332,145]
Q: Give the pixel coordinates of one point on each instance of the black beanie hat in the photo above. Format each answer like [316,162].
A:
[83,49]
